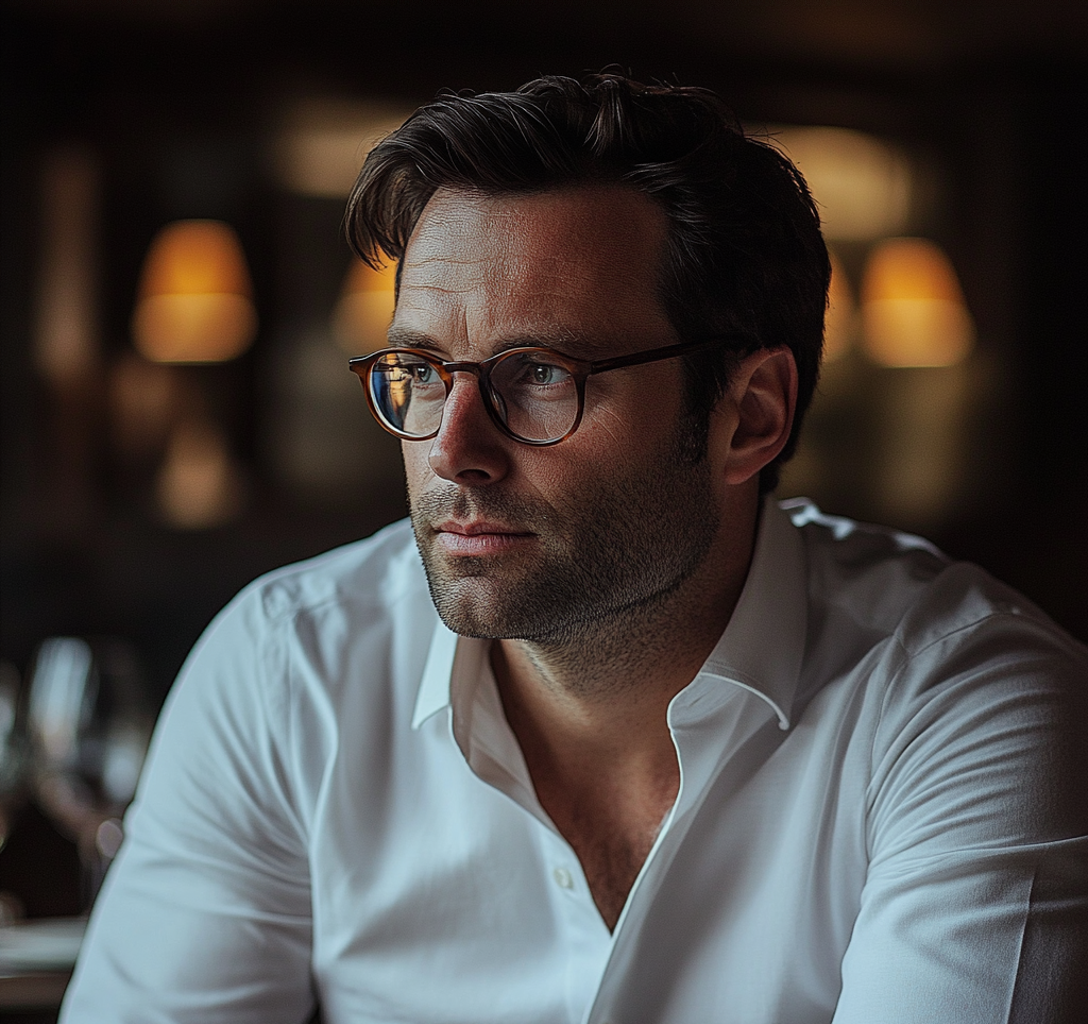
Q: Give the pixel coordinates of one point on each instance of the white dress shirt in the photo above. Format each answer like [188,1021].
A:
[876,822]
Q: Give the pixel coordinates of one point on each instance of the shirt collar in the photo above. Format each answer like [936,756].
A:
[442,661]
[763,645]
[760,651]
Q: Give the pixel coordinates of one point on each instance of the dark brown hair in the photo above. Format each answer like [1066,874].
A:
[744,256]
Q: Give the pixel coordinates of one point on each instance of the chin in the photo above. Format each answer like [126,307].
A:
[474,622]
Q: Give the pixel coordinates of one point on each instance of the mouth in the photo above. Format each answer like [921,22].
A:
[478,537]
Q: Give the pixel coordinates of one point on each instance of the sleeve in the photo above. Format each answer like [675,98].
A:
[205,916]
[975,907]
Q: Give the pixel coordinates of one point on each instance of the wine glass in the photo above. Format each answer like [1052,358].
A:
[89,728]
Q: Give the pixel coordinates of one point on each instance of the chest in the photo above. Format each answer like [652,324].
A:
[467,886]
[611,838]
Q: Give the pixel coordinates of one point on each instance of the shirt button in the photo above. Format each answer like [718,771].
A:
[563,878]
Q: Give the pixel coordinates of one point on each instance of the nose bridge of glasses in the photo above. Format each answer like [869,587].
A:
[493,403]
[473,370]
[463,367]
[487,393]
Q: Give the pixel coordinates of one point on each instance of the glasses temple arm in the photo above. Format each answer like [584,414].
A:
[652,355]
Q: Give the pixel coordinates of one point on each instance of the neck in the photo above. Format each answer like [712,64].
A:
[607,688]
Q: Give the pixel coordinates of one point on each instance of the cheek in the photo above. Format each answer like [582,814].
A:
[625,441]
[580,481]
[633,411]
[417,469]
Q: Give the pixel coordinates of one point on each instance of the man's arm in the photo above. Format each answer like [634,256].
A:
[975,908]
[205,916]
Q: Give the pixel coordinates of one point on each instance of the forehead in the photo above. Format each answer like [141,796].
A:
[580,264]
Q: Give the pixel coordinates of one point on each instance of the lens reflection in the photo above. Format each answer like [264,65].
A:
[409,393]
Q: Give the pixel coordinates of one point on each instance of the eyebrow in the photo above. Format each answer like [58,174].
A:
[401,338]
[563,341]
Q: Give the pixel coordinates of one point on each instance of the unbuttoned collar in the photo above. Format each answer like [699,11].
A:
[760,651]
[434,688]
[763,645]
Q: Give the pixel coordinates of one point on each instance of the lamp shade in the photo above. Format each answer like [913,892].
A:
[195,300]
[912,308]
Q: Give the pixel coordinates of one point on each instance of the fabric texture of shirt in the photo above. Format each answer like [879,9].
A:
[880,819]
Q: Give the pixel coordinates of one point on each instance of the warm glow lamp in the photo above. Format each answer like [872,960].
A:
[365,309]
[862,185]
[195,301]
[912,308]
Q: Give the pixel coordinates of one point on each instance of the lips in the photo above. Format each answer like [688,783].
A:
[478,537]
[477,527]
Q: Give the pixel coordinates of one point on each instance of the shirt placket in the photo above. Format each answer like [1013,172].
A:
[708,720]
[496,759]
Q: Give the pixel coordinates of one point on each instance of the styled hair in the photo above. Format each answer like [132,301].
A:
[744,256]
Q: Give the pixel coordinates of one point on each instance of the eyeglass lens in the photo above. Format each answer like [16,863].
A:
[536,397]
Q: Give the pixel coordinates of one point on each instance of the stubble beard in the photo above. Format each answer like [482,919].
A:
[604,564]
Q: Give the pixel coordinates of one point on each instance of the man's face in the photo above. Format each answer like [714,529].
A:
[549,544]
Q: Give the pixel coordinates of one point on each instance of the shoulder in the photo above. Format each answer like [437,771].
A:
[954,665]
[345,633]
[894,584]
[370,576]
[300,634]
[922,639]
[969,705]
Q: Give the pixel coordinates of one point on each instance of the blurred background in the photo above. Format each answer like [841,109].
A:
[178,303]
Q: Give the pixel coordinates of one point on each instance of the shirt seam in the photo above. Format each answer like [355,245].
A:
[907,657]
[280,666]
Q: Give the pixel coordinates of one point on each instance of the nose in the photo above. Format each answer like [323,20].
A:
[469,448]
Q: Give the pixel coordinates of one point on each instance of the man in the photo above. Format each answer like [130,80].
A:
[625,740]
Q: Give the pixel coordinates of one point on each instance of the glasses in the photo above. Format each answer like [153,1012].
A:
[534,395]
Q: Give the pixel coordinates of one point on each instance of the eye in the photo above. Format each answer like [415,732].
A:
[542,374]
[422,373]
[537,372]
[531,376]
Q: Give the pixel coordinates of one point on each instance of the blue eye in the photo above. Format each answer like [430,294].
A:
[542,374]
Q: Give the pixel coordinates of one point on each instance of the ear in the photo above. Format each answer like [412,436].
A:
[759,405]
